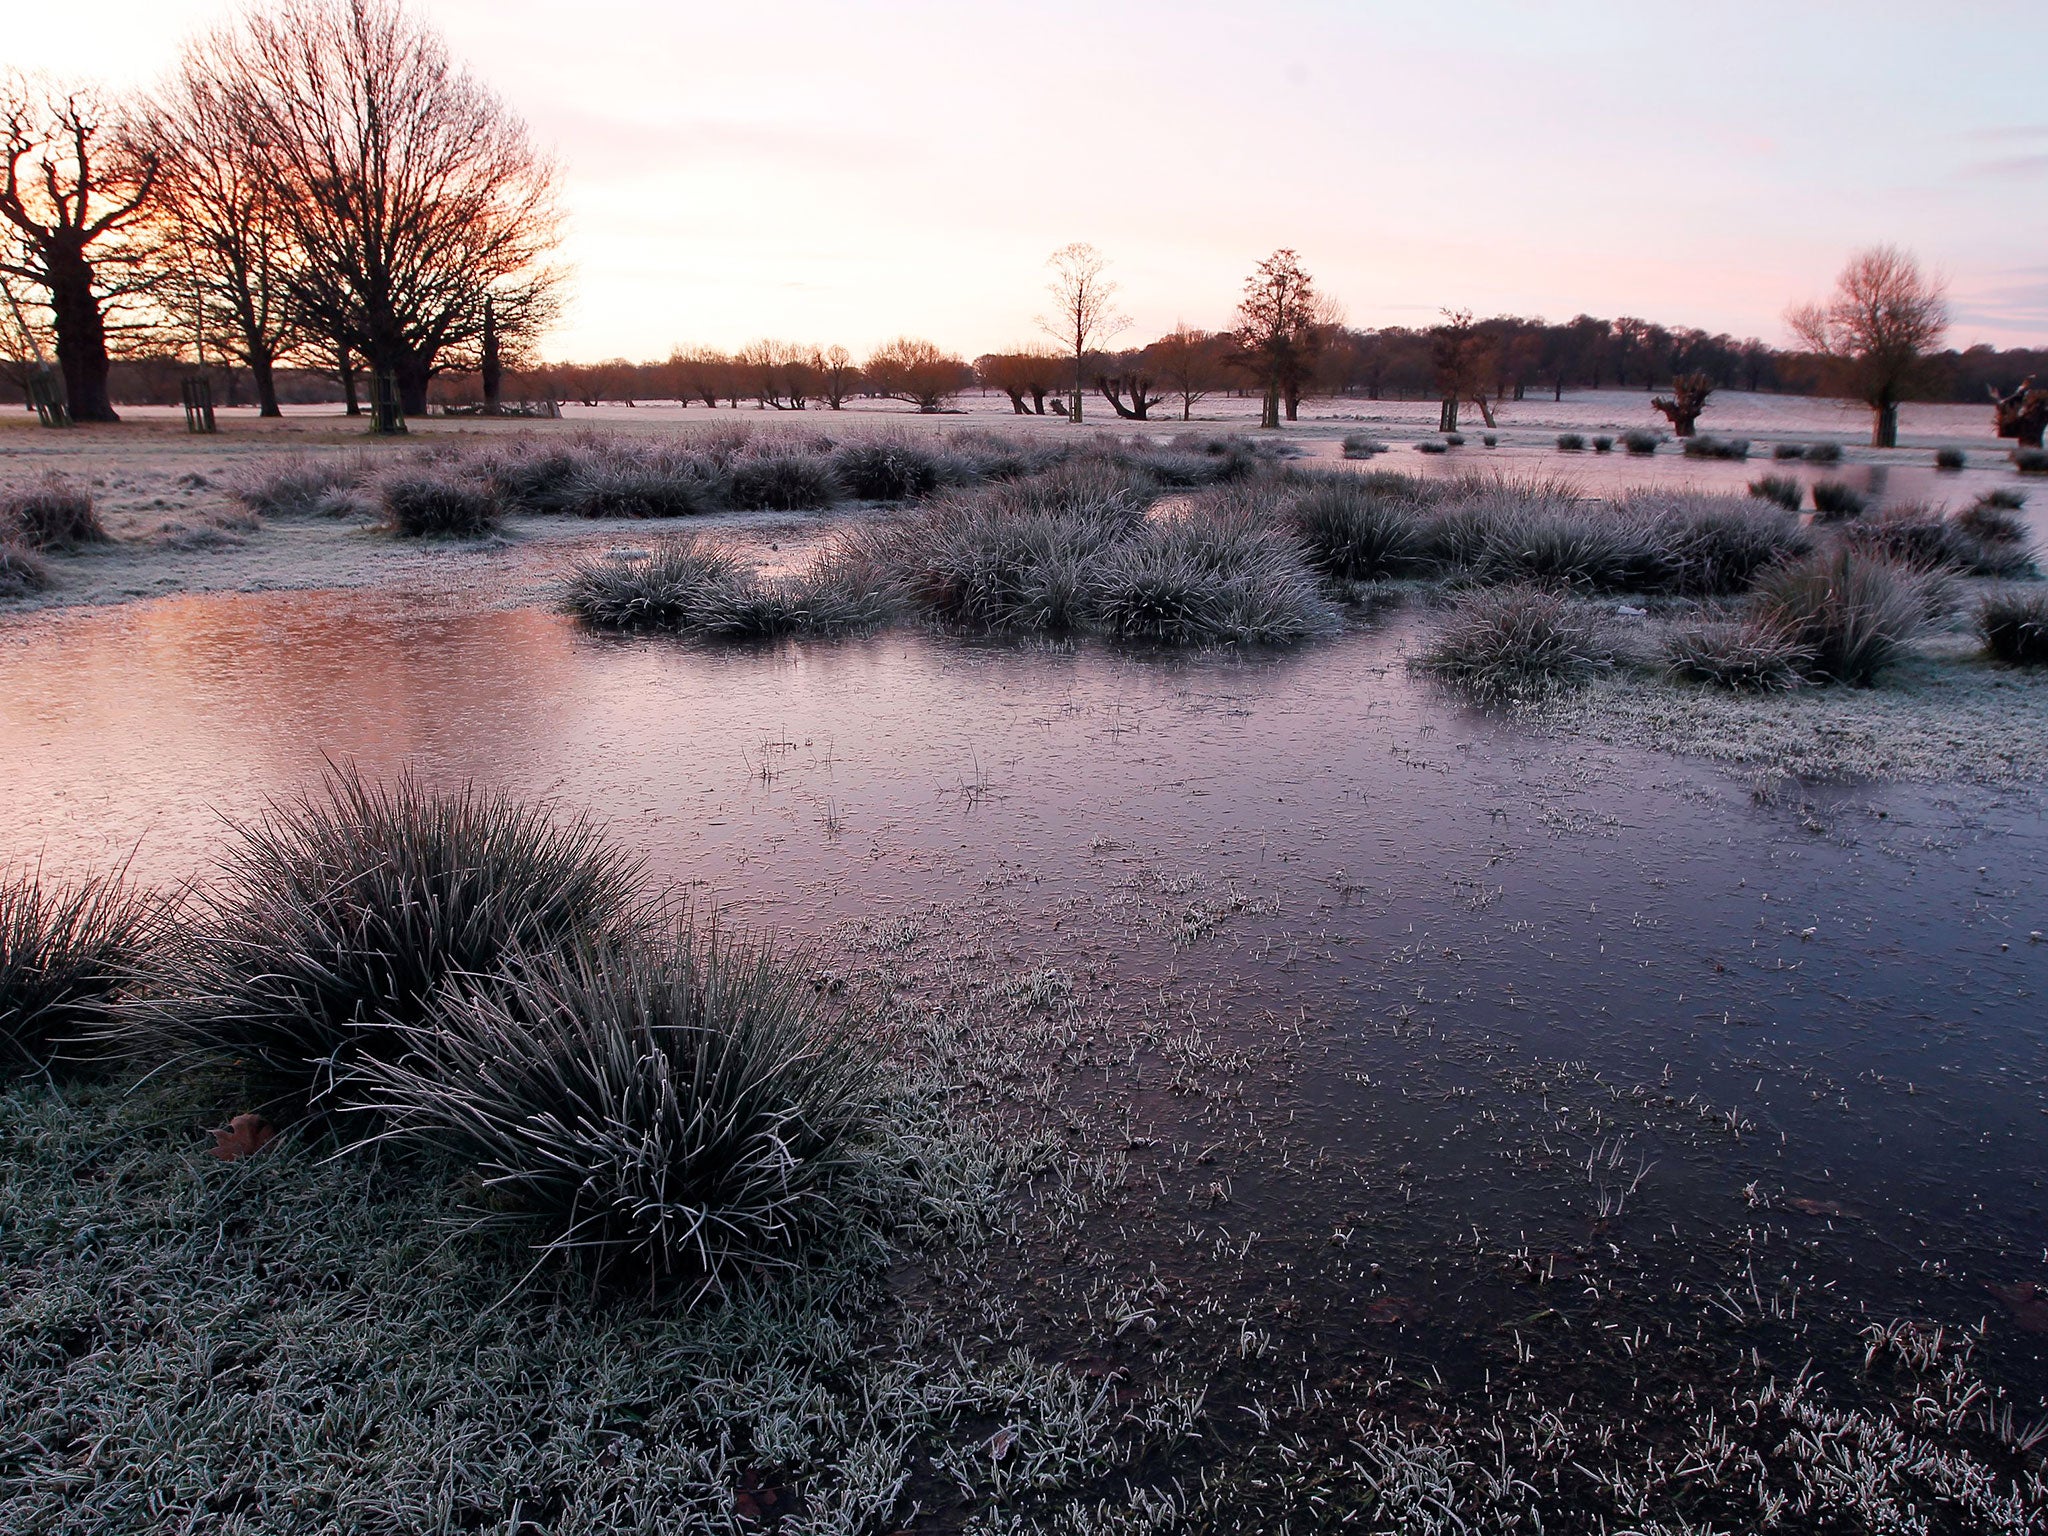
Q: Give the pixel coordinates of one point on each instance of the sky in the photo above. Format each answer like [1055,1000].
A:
[851,170]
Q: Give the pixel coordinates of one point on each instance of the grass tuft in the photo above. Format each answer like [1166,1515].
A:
[1706,446]
[2014,627]
[1359,445]
[1508,643]
[1853,612]
[673,1111]
[343,911]
[1640,443]
[1824,453]
[67,953]
[22,570]
[1570,442]
[1782,489]
[1746,656]
[50,513]
[883,470]
[299,486]
[782,482]
[1951,458]
[1603,444]
[1836,501]
[1355,531]
[436,505]
[1788,451]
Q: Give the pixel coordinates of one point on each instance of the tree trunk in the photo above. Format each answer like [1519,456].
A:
[81,336]
[1269,411]
[1884,430]
[412,373]
[1485,411]
[347,369]
[492,365]
[262,372]
[1447,415]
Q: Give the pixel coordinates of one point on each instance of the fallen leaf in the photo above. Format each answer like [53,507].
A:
[2027,1302]
[246,1135]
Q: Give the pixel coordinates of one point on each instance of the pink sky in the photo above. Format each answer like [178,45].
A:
[823,172]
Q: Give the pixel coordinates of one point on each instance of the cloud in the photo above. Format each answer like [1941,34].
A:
[2012,166]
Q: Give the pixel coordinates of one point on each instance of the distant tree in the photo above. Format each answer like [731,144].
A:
[410,191]
[1118,374]
[837,375]
[2020,414]
[1186,361]
[1460,355]
[1689,392]
[1084,315]
[1277,329]
[1019,374]
[77,194]
[223,222]
[1884,317]
[917,371]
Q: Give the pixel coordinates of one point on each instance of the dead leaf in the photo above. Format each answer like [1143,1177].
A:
[2027,1302]
[246,1135]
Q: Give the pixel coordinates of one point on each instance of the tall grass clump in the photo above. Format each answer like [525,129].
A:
[1570,442]
[300,486]
[1603,444]
[1854,613]
[2014,627]
[632,488]
[1788,451]
[1742,655]
[1950,458]
[693,586]
[1431,445]
[1711,546]
[343,911]
[1354,531]
[1211,575]
[676,1111]
[429,504]
[67,954]
[1508,643]
[1835,501]
[1782,489]
[2030,461]
[1359,445]
[1640,443]
[1824,453]
[50,513]
[22,570]
[1923,538]
[887,471]
[1994,518]
[781,482]
[1706,446]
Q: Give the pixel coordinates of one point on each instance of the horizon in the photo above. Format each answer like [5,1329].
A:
[827,176]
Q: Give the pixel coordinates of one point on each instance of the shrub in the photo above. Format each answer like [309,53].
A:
[343,911]
[1430,445]
[1788,451]
[782,482]
[630,489]
[1993,519]
[1706,446]
[1851,611]
[1507,643]
[1603,445]
[1356,533]
[1824,453]
[1454,439]
[22,571]
[2030,461]
[1359,446]
[1640,443]
[1834,501]
[680,1111]
[1782,489]
[2014,626]
[66,956]
[1490,439]
[887,471]
[1950,458]
[50,513]
[430,505]
[1751,656]
[1570,442]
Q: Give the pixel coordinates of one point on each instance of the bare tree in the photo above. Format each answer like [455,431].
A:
[76,194]
[1884,317]
[1132,373]
[223,221]
[1689,392]
[919,372]
[1084,316]
[410,191]
[1186,362]
[837,375]
[1277,323]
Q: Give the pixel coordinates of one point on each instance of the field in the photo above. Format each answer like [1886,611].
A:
[1482,1005]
